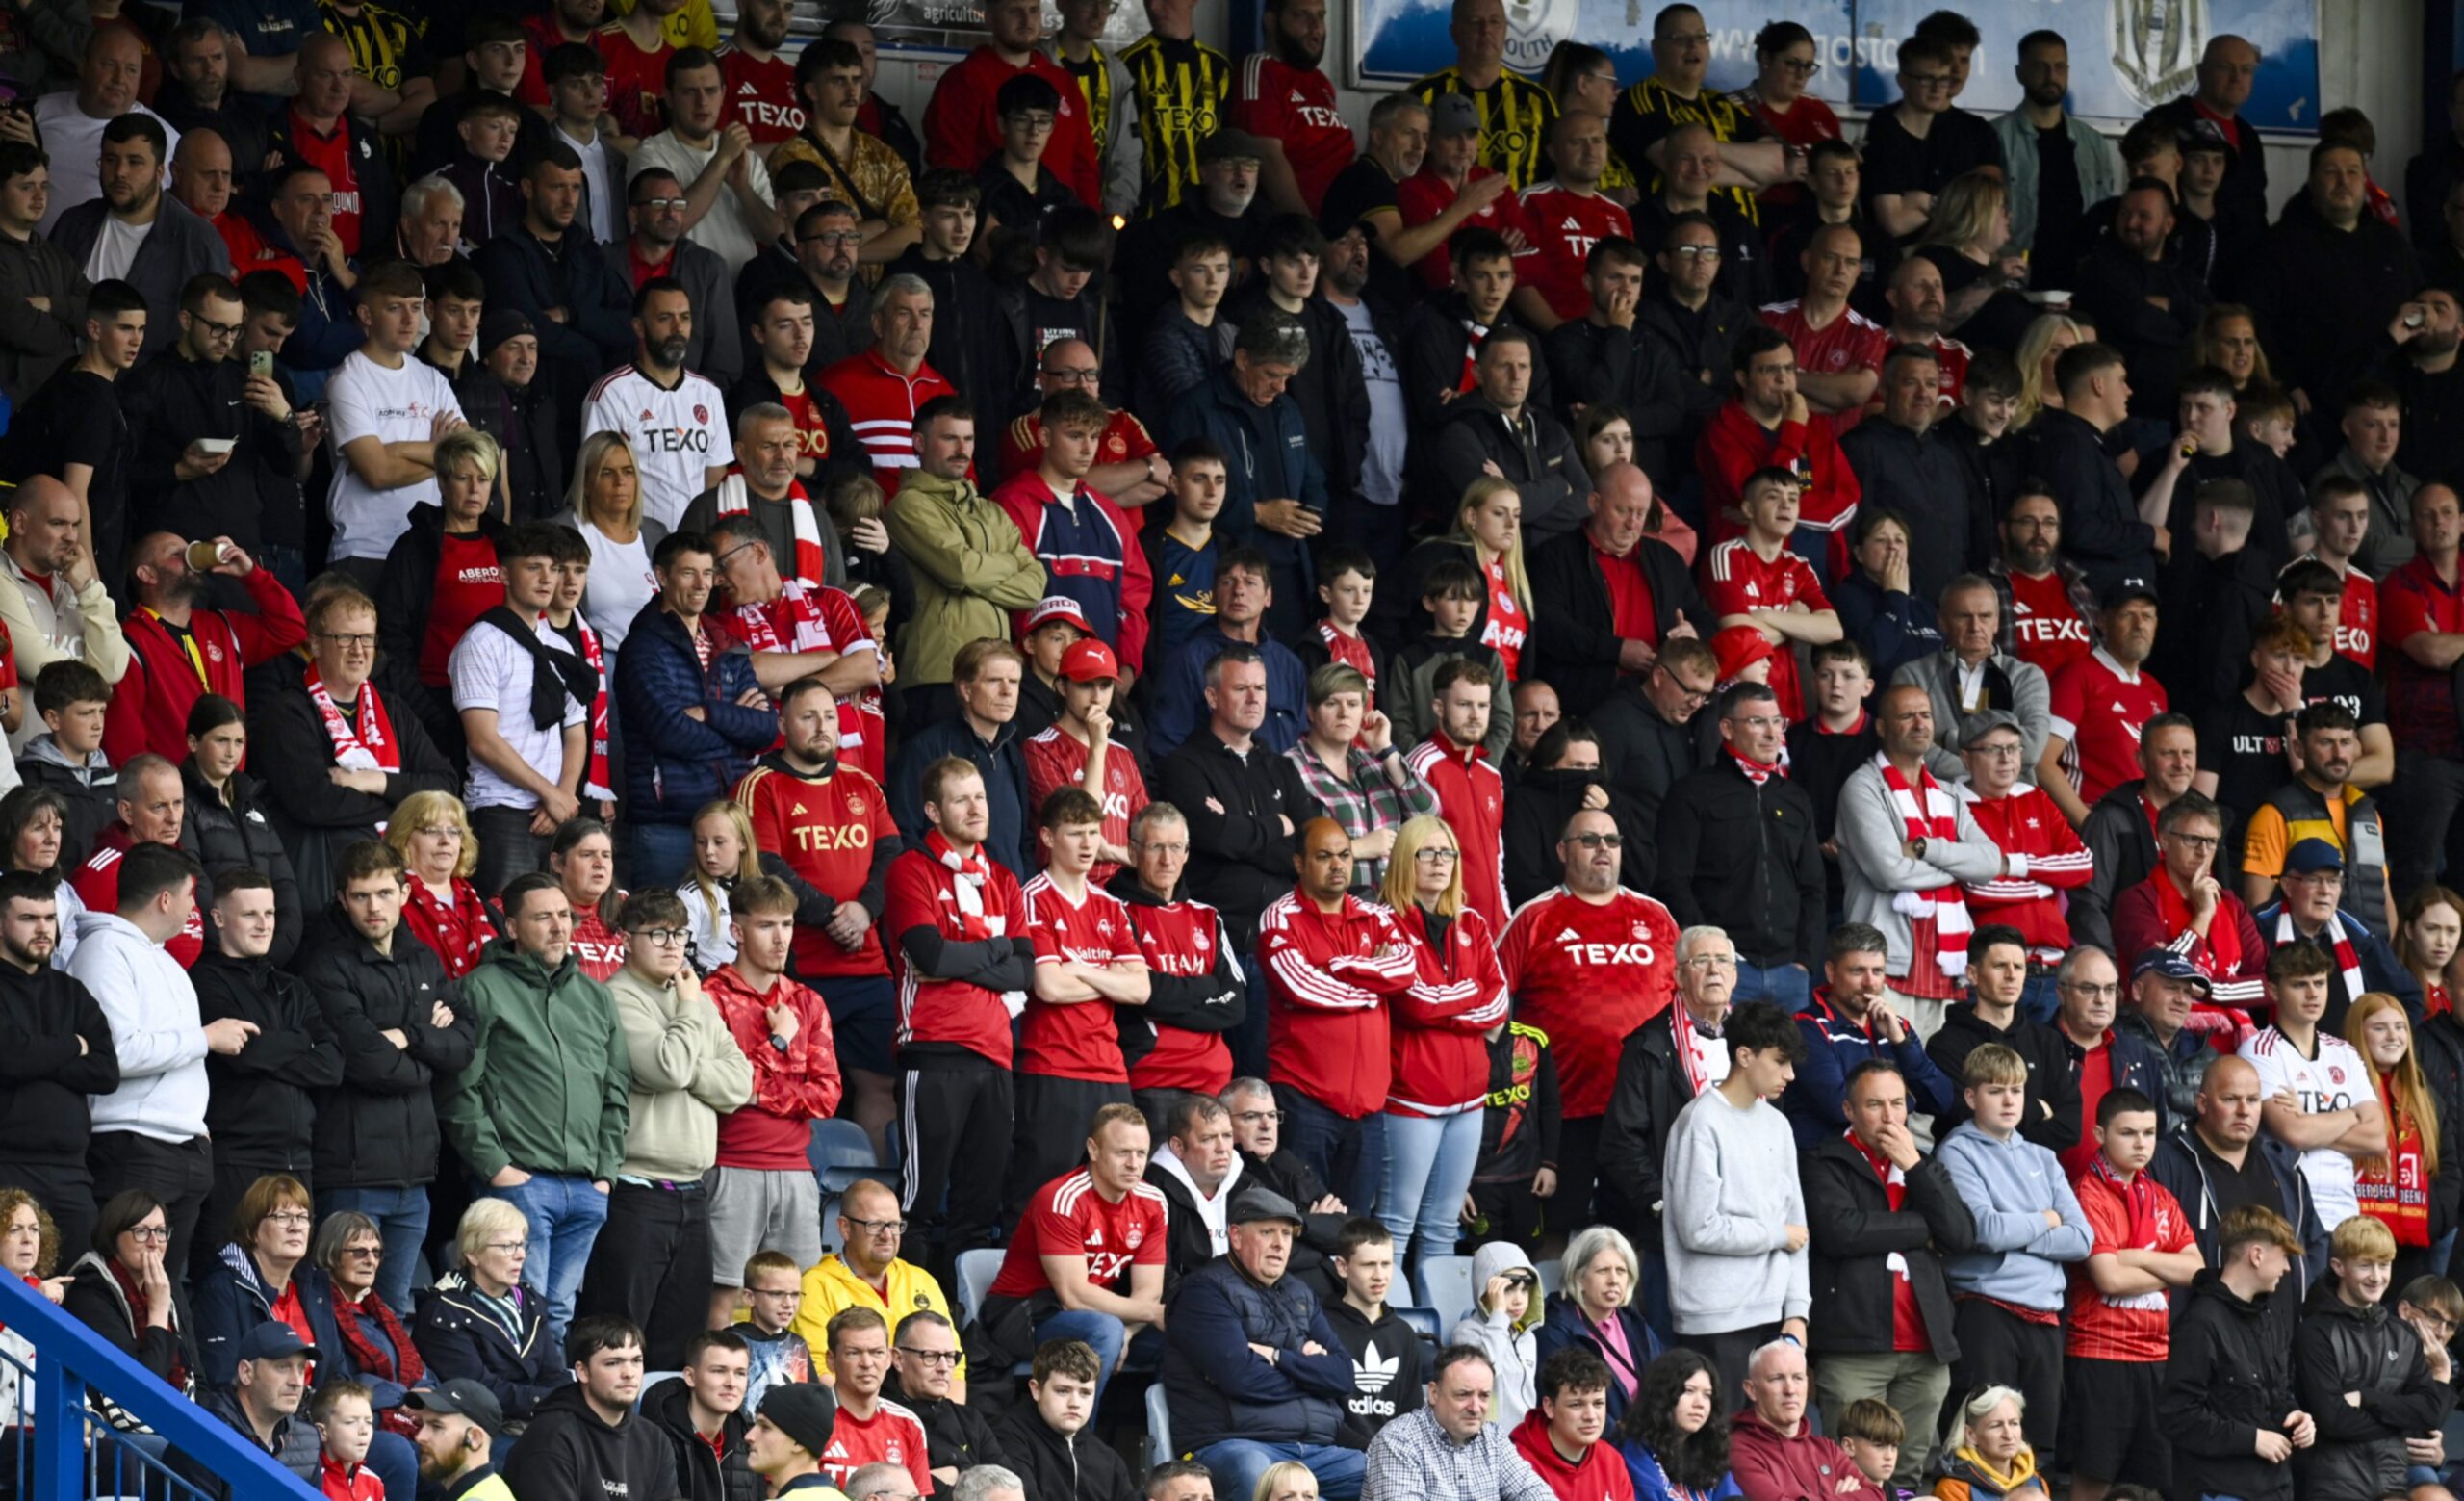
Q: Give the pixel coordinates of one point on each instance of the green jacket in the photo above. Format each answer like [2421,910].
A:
[547,1088]
[971,568]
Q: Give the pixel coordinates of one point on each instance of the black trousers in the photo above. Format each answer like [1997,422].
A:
[232,1181]
[1569,1209]
[2000,1348]
[1050,1135]
[957,1123]
[2423,828]
[507,848]
[1731,1351]
[178,1174]
[66,1193]
[652,1264]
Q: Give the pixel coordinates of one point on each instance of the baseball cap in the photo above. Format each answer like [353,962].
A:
[2310,857]
[1453,114]
[805,1413]
[461,1397]
[272,1340]
[2129,589]
[1737,648]
[1230,146]
[1090,661]
[2172,967]
[1252,1205]
[1052,607]
[1983,721]
[2202,134]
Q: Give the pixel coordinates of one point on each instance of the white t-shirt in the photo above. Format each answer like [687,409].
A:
[490,669]
[620,583]
[722,230]
[2336,1079]
[606,194]
[72,140]
[678,435]
[365,400]
[116,248]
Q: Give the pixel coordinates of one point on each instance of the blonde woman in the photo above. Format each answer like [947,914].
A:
[1439,1077]
[1968,238]
[1488,534]
[431,831]
[605,505]
[2039,346]
[2412,1187]
[1289,1480]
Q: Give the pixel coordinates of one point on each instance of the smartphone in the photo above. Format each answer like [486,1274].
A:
[261,363]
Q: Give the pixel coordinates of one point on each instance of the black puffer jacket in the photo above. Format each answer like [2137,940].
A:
[263,1109]
[1059,1466]
[219,835]
[706,1475]
[2229,1376]
[379,1128]
[296,1446]
[2339,1350]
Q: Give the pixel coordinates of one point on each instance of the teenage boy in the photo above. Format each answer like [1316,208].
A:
[1754,580]
[1180,553]
[1735,1224]
[1040,1440]
[1836,736]
[67,758]
[1560,1437]
[385,411]
[1452,598]
[1979,432]
[2227,1393]
[2318,1099]
[487,126]
[2008,1289]
[973,343]
[2141,1251]
[1179,353]
[1018,188]
[1078,750]
[1086,962]
[1872,1431]
[1384,1349]
[2356,1360]
[73,428]
[1086,544]
[524,697]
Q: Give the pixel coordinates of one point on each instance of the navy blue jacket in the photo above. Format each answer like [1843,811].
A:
[1220,1388]
[1179,699]
[1564,1325]
[674,763]
[231,1299]
[1816,1103]
[460,1335]
[2180,1170]
[1011,839]
[2380,968]
[2136,1065]
[520,275]
[1266,457]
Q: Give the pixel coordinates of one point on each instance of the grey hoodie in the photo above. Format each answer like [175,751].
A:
[2009,1185]
[1513,1353]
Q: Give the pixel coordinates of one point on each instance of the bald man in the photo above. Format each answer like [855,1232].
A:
[72,123]
[2223,1162]
[2226,70]
[202,178]
[317,125]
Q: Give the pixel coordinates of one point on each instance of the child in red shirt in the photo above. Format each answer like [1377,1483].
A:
[346,1416]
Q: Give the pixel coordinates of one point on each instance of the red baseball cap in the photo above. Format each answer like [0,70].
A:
[1090,661]
[1052,607]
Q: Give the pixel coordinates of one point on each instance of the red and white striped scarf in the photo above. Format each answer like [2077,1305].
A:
[2348,962]
[1936,818]
[369,745]
[596,783]
[811,562]
[1693,1054]
[805,631]
[1755,771]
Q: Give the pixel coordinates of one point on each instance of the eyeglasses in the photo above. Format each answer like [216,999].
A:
[833,237]
[1761,721]
[215,330]
[722,560]
[1695,252]
[149,1234]
[295,1217]
[677,204]
[1997,752]
[365,1253]
[508,1248]
[1926,81]
[664,938]
[1435,857]
[930,1356]
[2192,840]
[353,642]
[1082,375]
[1254,1117]
[1597,841]
[877,1227]
[1803,70]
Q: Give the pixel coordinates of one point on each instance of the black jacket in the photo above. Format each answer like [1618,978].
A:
[1056,1466]
[1703,341]
[703,1475]
[1239,857]
[379,1130]
[597,334]
[1287,1175]
[1574,637]
[2051,1118]
[1636,370]
[219,835]
[458,1334]
[568,1450]
[173,400]
[2323,299]
[2222,601]
[1747,858]
[1534,452]
[1650,1091]
[2181,1169]
[44,1118]
[957,1434]
[2229,1376]
[1536,809]
[1644,754]
[316,818]
[2119,837]
[1855,1234]
[1188,1243]
[1950,531]
[263,1110]
[2341,1349]
[2116,289]
[2100,527]
[381,197]
[1331,390]
[1436,333]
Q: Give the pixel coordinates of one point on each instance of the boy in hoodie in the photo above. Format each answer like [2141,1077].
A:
[2120,1306]
[2227,1396]
[2361,1368]
[1453,597]
[586,1439]
[2028,1222]
[1385,1351]
[1044,1439]
[68,758]
[1560,1437]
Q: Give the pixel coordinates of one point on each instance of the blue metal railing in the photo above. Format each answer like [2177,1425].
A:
[66,1452]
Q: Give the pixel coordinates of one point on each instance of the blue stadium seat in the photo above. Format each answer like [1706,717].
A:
[1446,1287]
[1158,1428]
[976,1271]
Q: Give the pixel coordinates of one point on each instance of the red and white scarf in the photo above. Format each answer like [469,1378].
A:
[454,932]
[973,873]
[2142,1210]
[1935,817]
[2348,962]
[368,745]
[596,783]
[811,562]
[752,623]
[1755,771]
[1693,1050]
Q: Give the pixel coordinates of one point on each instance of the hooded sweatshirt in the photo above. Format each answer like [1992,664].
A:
[1600,1475]
[1213,1210]
[2008,1186]
[90,786]
[1386,1370]
[568,1450]
[156,1030]
[1513,1350]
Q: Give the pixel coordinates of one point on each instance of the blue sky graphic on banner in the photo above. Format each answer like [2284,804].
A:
[2126,55]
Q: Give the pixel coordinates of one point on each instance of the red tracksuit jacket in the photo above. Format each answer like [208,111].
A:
[1471,797]
[149,709]
[2027,823]
[1329,977]
[1441,1052]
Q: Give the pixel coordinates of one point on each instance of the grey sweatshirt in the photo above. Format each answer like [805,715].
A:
[1732,1194]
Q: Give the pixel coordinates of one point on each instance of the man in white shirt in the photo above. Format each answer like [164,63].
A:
[677,419]
[728,206]
[530,743]
[72,123]
[384,411]
[52,600]
[2318,1095]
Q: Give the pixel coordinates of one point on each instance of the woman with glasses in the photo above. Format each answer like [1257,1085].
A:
[1439,1080]
[1780,96]
[442,575]
[431,831]
[375,1348]
[341,756]
[225,826]
[480,1322]
[121,1289]
[262,1274]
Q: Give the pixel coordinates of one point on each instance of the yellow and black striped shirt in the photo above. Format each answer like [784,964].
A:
[1650,110]
[1515,116]
[386,45]
[1182,89]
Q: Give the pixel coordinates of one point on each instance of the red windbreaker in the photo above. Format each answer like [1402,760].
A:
[1471,797]
[1441,1052]
[149,709]
[1330,977]
[790,1089]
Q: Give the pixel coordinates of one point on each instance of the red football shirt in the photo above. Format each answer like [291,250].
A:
[1631,612]
[1738,582]
[2047,628]
[826,828]
[1075,1040]
[834,624]
[2357,626]
[1423,195]
[336,155]
[2142,1215]
[1184,940]
[599,950]
[1565,224]
[636,80]
[2421,701]
[1057,758]
[1295,106]
[469,583]
[1070,1217]
[2100,708]
[761,97]
[893,1436]
[1849,341]
[1508,625]
[1587,974]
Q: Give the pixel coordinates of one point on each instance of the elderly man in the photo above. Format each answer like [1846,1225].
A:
[1196,992]
[926,1377]
[1665,1063]
[1738,847]
[1257,1136]
[2181,906]
[1774,1453]
[1908,849]
[888,388]
[263,1403]
[2222,1161]
[72,122]
[2164,989]
[2310,912]
[1254,1373]
[1882,1216]
[764,485]
[1447,1450]
[1973,675]
[53,602]
[1615,595]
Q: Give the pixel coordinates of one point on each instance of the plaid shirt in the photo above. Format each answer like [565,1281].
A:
[1364,801]
[1412,1458]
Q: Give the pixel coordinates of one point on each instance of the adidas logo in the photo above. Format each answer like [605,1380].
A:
[1375,1371]
[800,810]
[1569,935]
[1571,223]
[1297,98]
[835,1451]
[1096,1237]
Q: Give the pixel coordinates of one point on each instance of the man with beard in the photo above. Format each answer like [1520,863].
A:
[655,207]
[2057,163]
[62,1045]
[2048,615]
[71,123]
[760,86]
[676,420]
[548,268]
[196,94]
[1285,100]
[137,233]
[856,169]
[199,390]
[458,1421]
[168,635]
[2421,369]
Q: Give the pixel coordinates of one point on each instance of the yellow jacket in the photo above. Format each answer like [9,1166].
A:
[834,1286]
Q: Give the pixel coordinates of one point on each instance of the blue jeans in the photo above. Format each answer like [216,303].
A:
[1240,1464]
[1103,1332]
[1783,985]
[565,1214]
[657,855]
[391,1459]
[1428,1169]
[1348,1156]
[2040,999]
[402,1222]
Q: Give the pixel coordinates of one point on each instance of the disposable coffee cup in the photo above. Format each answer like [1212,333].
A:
[203,556]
